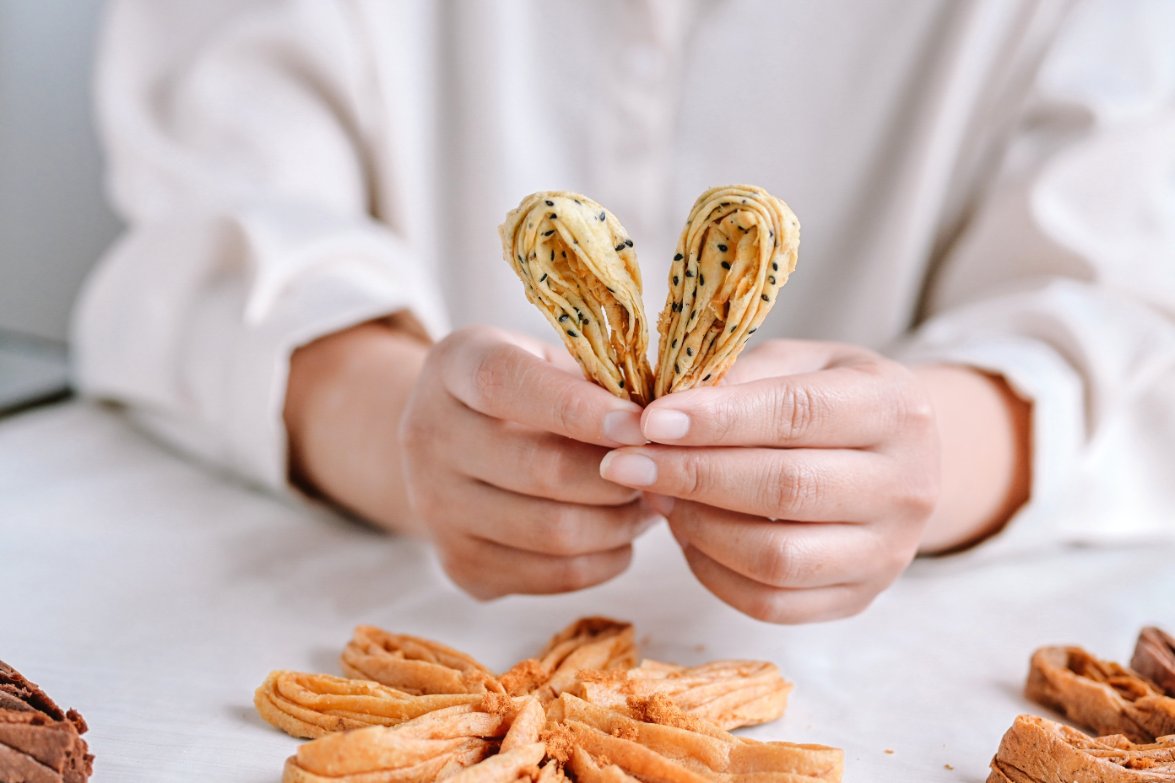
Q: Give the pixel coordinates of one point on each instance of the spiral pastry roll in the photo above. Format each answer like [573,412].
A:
[737,249]
[579,268]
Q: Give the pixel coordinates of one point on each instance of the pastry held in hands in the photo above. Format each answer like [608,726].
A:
[738,247]
[1035,750]
[579,268]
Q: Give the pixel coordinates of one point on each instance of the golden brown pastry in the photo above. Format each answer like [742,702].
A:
[427,748]
[737,249]
[414,665]
[579,268]
[1036,750]
[589,643]
[729,694]
[1100,695]
[656,741]
[311,705]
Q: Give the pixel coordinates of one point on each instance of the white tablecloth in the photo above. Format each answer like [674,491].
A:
[154,595]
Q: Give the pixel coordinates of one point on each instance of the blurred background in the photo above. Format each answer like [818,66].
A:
[53,221]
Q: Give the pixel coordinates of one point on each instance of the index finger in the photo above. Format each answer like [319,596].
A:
[500,378]
[848,406]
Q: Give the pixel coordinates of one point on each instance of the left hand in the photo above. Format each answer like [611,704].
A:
[799,489]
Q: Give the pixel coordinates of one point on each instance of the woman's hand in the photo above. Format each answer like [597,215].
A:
[803,486]
[502,440]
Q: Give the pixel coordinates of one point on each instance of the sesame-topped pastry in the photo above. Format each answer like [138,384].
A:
[737,249]
[579,268]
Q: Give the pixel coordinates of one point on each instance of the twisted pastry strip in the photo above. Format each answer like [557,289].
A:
[589,643]
[1035,750]
[1101,695]
[312,705]
[729,694]
[737,249]
[414,665]
[421,750]
[657,742]
[1154,658]
[578,267]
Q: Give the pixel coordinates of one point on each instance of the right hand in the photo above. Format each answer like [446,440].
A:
[502,440]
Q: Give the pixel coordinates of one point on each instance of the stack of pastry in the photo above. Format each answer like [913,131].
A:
[582,710]
[1132,708]
[39,742]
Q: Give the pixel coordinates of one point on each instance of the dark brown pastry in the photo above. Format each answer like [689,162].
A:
[1154,658]
[38,740]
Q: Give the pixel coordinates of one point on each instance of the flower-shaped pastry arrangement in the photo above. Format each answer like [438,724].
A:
[414,711]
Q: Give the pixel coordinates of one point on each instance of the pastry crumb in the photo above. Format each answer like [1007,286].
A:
[949,766]
[889,751]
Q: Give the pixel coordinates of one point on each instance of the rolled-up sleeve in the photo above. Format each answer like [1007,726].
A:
[1063,280]
[238,158]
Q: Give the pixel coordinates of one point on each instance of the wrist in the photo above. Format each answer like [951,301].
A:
[344,397]
[985,436]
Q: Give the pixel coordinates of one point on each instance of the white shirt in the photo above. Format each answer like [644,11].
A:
[989,183]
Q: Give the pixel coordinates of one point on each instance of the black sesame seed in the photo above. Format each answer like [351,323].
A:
[764,297]
[674,343]
[621,383]
[771,233]
[552,255]
[677,257]
[611,290]
[701,279]
[774,266]
[706,377]
[628,242]
[689,351]
[563,253]
[676,368]
[619,247]
[733,329]
[726,265]
[723,248]
[553,216]
[550,203]
[577,201]
[602,216]
[548,233]
[744,201]
[753,330]
[693,314]
[520,260]
[724,204]
[543,279]
[689,273]
[572,333]
[583,319]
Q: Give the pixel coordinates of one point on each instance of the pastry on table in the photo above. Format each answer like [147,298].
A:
[1102,696]
[1154,658]
[1036,750]
[38,740]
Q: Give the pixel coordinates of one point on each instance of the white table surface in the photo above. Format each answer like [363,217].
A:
[154,595]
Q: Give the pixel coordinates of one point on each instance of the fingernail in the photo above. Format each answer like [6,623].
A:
[624,427]
[632,470]
[665,425]
[662,504]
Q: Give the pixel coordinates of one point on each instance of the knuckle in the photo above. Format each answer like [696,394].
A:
[796,411]
[691,475]
[578,573]
[562,535]
[571,411]
[489,377]
[918,496]
[780,563]
[797,487]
